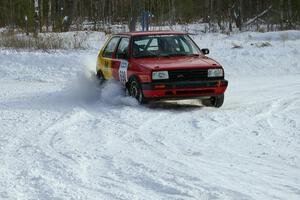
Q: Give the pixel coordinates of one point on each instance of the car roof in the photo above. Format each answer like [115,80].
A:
[140,33]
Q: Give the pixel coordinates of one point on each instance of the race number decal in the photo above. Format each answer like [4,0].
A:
[123,71]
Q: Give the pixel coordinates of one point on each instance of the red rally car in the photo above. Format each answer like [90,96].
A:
[162,66]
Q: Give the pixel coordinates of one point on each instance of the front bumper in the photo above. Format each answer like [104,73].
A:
[184,90]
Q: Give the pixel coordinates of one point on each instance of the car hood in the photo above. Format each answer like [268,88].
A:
[166,63]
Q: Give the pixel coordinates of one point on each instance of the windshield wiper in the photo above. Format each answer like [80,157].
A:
[193,54]
[146,56]
[182,54]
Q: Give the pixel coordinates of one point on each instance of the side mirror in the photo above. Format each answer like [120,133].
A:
[205,51]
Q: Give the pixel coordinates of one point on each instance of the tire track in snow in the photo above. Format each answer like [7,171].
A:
[48,135]
[48,140]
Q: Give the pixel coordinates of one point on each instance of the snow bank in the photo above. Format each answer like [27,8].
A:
[48,41]
[79,39]
[255,56]
[62,136]
[276,36]
[87,39]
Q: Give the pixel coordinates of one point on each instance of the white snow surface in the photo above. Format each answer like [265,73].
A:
[64,137]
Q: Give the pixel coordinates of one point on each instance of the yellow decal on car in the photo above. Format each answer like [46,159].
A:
[106,68]
[104,64]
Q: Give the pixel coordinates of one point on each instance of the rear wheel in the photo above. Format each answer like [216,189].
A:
[135,90]
[215,101]
[100,77]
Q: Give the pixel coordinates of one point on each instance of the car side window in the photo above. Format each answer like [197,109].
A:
[153,46]
[110,47]
[123,48]
[185,46]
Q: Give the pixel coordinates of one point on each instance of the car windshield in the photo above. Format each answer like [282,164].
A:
[164,45]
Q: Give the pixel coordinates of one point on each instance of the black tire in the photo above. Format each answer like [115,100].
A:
[100,77]
[215,101]
[135,90]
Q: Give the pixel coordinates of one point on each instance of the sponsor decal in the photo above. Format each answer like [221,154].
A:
[123,71]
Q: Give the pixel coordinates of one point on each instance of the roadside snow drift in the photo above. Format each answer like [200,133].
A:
[64,137]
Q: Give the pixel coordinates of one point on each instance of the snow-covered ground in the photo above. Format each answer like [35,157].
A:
[63,137]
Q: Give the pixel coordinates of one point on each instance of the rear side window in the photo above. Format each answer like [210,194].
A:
[110,47]
[123,47]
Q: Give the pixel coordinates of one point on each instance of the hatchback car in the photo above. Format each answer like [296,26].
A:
[166,65]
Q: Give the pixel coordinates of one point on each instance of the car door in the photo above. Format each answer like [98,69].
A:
[120,62]
[106,60]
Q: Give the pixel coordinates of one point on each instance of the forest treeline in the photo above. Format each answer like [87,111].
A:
[65,15]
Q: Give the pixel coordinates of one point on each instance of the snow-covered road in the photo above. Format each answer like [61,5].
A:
[63,137]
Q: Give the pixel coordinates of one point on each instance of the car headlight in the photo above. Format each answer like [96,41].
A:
[215,72]
[160,75]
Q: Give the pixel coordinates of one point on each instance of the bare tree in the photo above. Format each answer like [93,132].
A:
[49,16]
[224,14]
[134,12]
[71,9]
[36,17]
[41,15]
[281,14]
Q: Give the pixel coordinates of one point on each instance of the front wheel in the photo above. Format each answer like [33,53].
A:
[135,91]
[215,101]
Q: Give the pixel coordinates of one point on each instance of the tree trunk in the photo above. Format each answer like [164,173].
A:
[281,15]
[36,17]
[133,14]
[241,16]
[41,16]
[290,15]
[49,15]
[11,15]
[71,9]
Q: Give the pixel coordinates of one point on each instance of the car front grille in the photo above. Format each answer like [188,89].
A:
[199,74]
